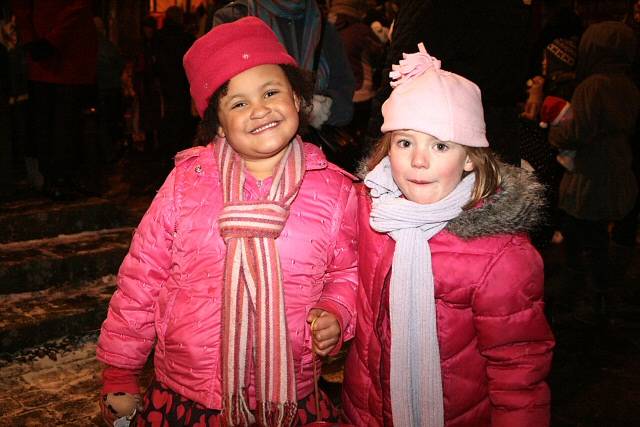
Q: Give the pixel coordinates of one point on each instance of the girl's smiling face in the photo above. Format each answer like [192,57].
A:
[426,169]
[259,116]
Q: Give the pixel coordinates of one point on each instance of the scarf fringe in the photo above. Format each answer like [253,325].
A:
[236,411]
[277,414]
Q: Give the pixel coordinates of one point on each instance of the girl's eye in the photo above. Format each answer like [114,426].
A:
[270,93]
[403,143]
[238,105]
[441,146]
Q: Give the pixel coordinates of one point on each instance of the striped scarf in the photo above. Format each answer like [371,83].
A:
[253,292]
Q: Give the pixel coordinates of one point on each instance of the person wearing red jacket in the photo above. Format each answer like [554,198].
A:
[451,328]
[62,44]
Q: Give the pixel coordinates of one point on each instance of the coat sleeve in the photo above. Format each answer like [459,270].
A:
[341,278]
[128,333]
[341,81]
[361,391]
[585,123]
[360,396]
[514,337]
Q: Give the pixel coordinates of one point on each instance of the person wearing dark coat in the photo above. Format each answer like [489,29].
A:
[365,52]
[61,41]
[602,187]
[177,124]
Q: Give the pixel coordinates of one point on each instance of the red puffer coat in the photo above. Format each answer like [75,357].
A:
[495,343]
[170,283]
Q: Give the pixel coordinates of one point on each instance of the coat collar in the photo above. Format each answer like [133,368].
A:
[516,208]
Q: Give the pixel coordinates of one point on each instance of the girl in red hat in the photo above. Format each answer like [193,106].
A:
[245,263]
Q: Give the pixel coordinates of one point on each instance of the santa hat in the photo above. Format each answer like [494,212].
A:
[428,99]
[228,50]
[553,110]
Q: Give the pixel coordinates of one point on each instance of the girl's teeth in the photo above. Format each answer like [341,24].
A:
[260,129]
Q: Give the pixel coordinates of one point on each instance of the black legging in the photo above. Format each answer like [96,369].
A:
[56,123]
[587,248]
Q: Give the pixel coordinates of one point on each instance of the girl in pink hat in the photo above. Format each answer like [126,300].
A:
[451,328]
[244,266]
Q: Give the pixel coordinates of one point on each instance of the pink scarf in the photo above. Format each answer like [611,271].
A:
[253,292]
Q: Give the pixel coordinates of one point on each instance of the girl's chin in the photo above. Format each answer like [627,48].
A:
[424,199]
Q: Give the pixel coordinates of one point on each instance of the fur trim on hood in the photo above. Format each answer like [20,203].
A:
[516,208]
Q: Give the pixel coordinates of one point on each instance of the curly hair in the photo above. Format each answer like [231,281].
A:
[301,82]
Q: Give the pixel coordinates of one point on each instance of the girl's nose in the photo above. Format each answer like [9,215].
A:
[420,158]
[260,110]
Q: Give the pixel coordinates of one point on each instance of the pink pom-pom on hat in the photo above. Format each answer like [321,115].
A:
[226,51]
[428,99]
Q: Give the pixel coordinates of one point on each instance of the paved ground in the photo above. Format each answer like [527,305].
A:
[54,386]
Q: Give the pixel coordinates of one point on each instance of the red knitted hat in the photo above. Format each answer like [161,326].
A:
[552,111]
[226,51]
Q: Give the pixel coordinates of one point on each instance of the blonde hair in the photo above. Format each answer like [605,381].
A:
[486,166]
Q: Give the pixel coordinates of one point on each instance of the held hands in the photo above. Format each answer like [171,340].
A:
[325,331]
[119,404]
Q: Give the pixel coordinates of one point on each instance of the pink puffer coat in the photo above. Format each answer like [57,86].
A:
[495,343]
[170,283]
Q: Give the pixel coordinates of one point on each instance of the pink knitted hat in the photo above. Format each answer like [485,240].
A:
[428,99]
[226,51]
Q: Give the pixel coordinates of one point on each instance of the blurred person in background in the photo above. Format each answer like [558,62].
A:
[316,46]
[147,90]
[602,187]
[177,124]
[61,42]
[109,80]
[13,105]
[365,52]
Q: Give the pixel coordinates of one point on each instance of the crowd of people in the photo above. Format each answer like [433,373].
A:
[140,101]
[480,132]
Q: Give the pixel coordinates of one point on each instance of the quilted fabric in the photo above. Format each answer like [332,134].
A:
[495,343]
[170,283]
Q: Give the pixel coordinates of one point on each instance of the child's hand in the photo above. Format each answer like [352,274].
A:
[321,110]
[119,404]
[325,331]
